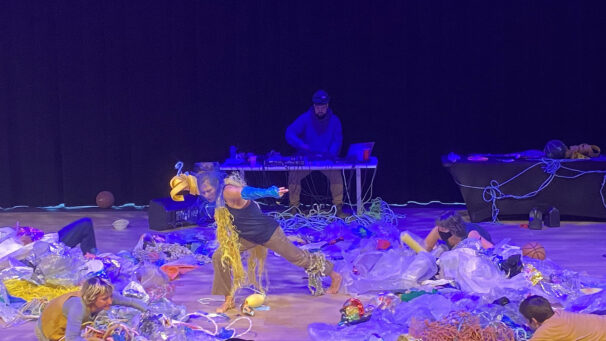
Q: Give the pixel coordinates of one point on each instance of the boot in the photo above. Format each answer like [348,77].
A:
[340,213]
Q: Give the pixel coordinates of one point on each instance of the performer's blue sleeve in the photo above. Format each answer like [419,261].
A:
[252,193]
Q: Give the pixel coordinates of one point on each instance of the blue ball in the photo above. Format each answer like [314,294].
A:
[555,149]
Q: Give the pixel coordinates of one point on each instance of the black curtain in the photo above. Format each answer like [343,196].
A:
[108,95]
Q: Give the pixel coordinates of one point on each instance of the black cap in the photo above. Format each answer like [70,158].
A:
[320,97]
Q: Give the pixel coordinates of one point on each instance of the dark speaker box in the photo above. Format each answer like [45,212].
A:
[165,213]
[552,217]
[535,219]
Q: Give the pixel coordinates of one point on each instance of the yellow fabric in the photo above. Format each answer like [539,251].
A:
[183,182]
[564,325]
[52,319]
[28,291]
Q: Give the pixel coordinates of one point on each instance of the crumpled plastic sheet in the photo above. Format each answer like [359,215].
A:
[387,325]
[588,303]
[3,295]
[148,249]
[375,270]
[384,324]
[558,284]
[422,267]
[426,307]
[154,281]
[166,307]
[9,307]
[135,290]
[472,272]
[16,270]
[57,264]
[8,314]
[381,326]
[505,250]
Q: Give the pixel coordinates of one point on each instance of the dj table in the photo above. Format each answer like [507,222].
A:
[574,187]
[311,166]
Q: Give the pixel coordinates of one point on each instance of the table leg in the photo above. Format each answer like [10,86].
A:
[359,207]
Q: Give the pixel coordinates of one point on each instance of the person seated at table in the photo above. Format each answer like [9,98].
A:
[560,325]
[316,132]
[64,316]
[452,229]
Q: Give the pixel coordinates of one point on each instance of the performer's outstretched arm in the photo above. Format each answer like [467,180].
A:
[237,193]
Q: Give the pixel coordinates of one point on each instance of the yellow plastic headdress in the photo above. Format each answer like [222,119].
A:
[183,182]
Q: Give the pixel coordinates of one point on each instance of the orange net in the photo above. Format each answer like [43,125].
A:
[459,326]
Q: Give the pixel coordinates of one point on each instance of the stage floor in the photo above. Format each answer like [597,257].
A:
[578,246]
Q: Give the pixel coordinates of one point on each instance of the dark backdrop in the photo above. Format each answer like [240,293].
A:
[108,95]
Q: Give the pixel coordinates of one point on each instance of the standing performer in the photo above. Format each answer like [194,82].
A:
[241,226]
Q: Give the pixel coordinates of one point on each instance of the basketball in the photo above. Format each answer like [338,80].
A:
[534,250]
[105,199]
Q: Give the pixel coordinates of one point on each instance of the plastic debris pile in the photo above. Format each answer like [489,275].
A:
[466,293]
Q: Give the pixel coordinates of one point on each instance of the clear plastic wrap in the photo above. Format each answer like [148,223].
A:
[422,267]
[472,272]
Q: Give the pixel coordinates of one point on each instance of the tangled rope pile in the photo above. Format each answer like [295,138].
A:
[317,219]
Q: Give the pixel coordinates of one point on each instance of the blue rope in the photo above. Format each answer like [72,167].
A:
[492,193]
[179,167]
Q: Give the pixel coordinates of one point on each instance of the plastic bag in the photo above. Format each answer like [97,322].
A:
[165,307]
[58,264]
[154,281]
[136,290]
[377,270]
[422,267]
[15,270]
[473,273]
[588,303]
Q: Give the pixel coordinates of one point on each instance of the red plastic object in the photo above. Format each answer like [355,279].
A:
[383,244]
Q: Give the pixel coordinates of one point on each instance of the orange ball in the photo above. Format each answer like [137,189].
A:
[105,199]
[534,250]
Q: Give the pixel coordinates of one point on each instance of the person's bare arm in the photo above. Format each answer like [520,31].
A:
[432,239]
[476,235]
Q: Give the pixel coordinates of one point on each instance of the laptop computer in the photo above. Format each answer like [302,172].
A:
[356,151]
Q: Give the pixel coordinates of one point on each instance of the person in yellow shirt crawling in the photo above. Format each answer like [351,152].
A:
[561,325]
[63,317]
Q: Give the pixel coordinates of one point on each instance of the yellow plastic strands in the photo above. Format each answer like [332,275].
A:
[229,246]
[29,291]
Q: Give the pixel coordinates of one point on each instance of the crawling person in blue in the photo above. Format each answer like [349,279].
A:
[452,229]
